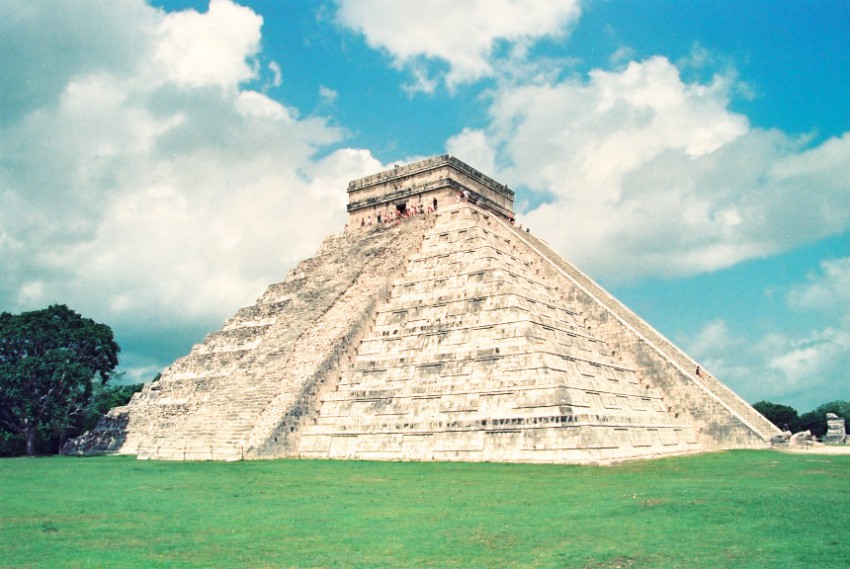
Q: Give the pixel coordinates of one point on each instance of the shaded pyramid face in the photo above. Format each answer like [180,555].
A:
[449,335]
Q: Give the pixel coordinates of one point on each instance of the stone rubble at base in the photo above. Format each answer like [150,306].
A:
[449,335]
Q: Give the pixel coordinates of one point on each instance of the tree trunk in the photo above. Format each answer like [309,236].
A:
[31,442]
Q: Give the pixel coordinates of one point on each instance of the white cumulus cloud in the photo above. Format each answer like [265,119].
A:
[160,192]
[213,48]
[463,36]
[827,292]
[643,173]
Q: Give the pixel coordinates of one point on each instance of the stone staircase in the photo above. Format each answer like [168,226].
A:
[232,393]
[326,348]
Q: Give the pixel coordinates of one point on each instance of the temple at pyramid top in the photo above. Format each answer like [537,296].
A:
[423,185]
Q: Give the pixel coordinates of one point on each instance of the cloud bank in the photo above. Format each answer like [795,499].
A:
[143,180]
[641,173]
[637,171]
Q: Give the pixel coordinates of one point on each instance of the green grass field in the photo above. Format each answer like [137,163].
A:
[733,509]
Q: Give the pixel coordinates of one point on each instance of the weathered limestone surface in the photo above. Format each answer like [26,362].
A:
[687,387]
[490,349]
[256,376]
[449,336]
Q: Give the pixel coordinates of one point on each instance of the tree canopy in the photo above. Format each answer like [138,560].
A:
[783,416]
[787,419]
[49,362]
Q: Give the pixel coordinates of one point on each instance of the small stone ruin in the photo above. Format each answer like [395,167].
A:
[835,431]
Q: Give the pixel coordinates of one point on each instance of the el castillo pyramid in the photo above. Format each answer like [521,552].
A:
[432,328]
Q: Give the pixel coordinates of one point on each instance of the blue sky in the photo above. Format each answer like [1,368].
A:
[162,162]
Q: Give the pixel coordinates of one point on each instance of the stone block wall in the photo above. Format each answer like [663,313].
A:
[722,418]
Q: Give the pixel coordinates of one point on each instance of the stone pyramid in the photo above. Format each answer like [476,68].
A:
[433,328]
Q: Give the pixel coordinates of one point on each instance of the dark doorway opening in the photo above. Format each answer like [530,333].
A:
[401,207]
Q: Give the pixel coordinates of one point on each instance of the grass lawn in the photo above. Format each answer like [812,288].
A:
[734,509]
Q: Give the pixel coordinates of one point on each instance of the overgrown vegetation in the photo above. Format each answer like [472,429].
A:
[786,417]
[741,509]
[103,398]
[54,367]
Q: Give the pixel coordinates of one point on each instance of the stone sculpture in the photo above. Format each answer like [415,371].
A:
[802,439]
[835,433]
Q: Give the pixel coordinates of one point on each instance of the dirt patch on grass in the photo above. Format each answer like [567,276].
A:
[824,449]
[617,563]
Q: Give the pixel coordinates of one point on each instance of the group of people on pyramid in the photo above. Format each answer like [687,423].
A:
[398,215]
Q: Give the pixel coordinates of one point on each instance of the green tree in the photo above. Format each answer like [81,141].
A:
[49,360]
[782,416]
